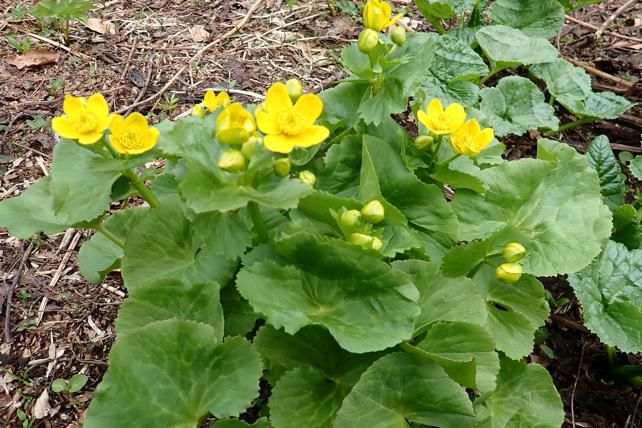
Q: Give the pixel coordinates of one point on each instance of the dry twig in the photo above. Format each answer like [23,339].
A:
[608,33]
[611,18]
[599,73]
[577,377]
[14,283]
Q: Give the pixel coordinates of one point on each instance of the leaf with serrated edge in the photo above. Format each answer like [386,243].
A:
[544,18]
[610,290]
[509,47]
[613,182]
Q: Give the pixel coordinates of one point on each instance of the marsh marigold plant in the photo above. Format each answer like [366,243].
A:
[377,15]
[132,135]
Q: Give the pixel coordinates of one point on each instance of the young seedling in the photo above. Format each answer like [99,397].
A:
[62,12]
[71,386]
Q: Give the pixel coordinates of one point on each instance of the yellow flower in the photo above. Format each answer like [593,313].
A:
[132,135]
[288,125]
[440,121]
[84,120]
[212,102]
[234,125]
[470,139]
[376,15]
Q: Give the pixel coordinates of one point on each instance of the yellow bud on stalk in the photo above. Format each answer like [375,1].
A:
[308,177]
[509,272]
[295,89]
[198,111]
[362,240]
[368,40]
[398,36]
[422,142]
[513,252]
[232,161]
[377,244]
[351,218]
[248,147]
[373,212]
[282,166]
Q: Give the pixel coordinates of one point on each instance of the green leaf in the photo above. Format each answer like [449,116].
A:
[551,205]
[636,167]
[341,103]
[399,388]
[508,47]
[58,385]
[98,256]
[77,382]
[461,260]
[416,56]
[192,138]
[627,228]
[162,247]
[525,397]
[170,299]
[599,105]
[565,81]
[461,173]
[227,234]
[458,91]
[515,311]
[320,374]
[340,176]
[377,106]
[239,316]
[441,298]
[610,290]
[456,346]
[424,205]
[31,212]
[205,190]
[364,304]
[516,105]
[613,182]
[180,374]
[455,60]
[541,19]
[443,9]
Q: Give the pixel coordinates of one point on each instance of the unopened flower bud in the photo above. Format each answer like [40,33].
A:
[308,177]
[295,89]
[232,161]
[198,111]
[351,218]
[377,244]
[368,40]
[373,212]
[248,147]
[509,272]
[362,240]
[513,252]
[282,166]
[422,142]
[398,36]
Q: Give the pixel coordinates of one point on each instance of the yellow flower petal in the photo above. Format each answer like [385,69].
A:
[117,124]
[223,99]
[279,143]
[90,138]
[277,98]
[267,123]
[72,104]
[210,101]
[422,117]
[435,108]
[309,106]
[394,20]
[64,128]
[312,136]
[485,137]
[456,116]
[136,120]
[98,106]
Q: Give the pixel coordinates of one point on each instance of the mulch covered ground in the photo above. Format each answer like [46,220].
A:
[60,325]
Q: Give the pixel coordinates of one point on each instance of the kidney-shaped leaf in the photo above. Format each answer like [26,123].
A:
[178,375]
[544,18]
[509,47]
[401,387]
[610,290]
[551,205]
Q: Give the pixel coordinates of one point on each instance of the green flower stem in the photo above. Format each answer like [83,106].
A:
[109,235]
[450,159]
[493,72]
[342,134]
[573,124]
[436,22]
[144,191]
[407,347]
[611,356]
[551,100]
[259,224]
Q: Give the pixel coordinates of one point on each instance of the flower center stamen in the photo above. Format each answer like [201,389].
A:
[291,122]
[131,139]
[441,122]
[84,121]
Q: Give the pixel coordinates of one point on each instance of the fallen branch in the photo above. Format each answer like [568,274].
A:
[611,18]
[195,58]
[608,33]
[14,283]
[599,73]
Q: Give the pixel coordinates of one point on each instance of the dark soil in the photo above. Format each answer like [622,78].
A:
[73,330]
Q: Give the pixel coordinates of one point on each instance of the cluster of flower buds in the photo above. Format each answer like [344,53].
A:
[377,16]
[511,271]
[359,225]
